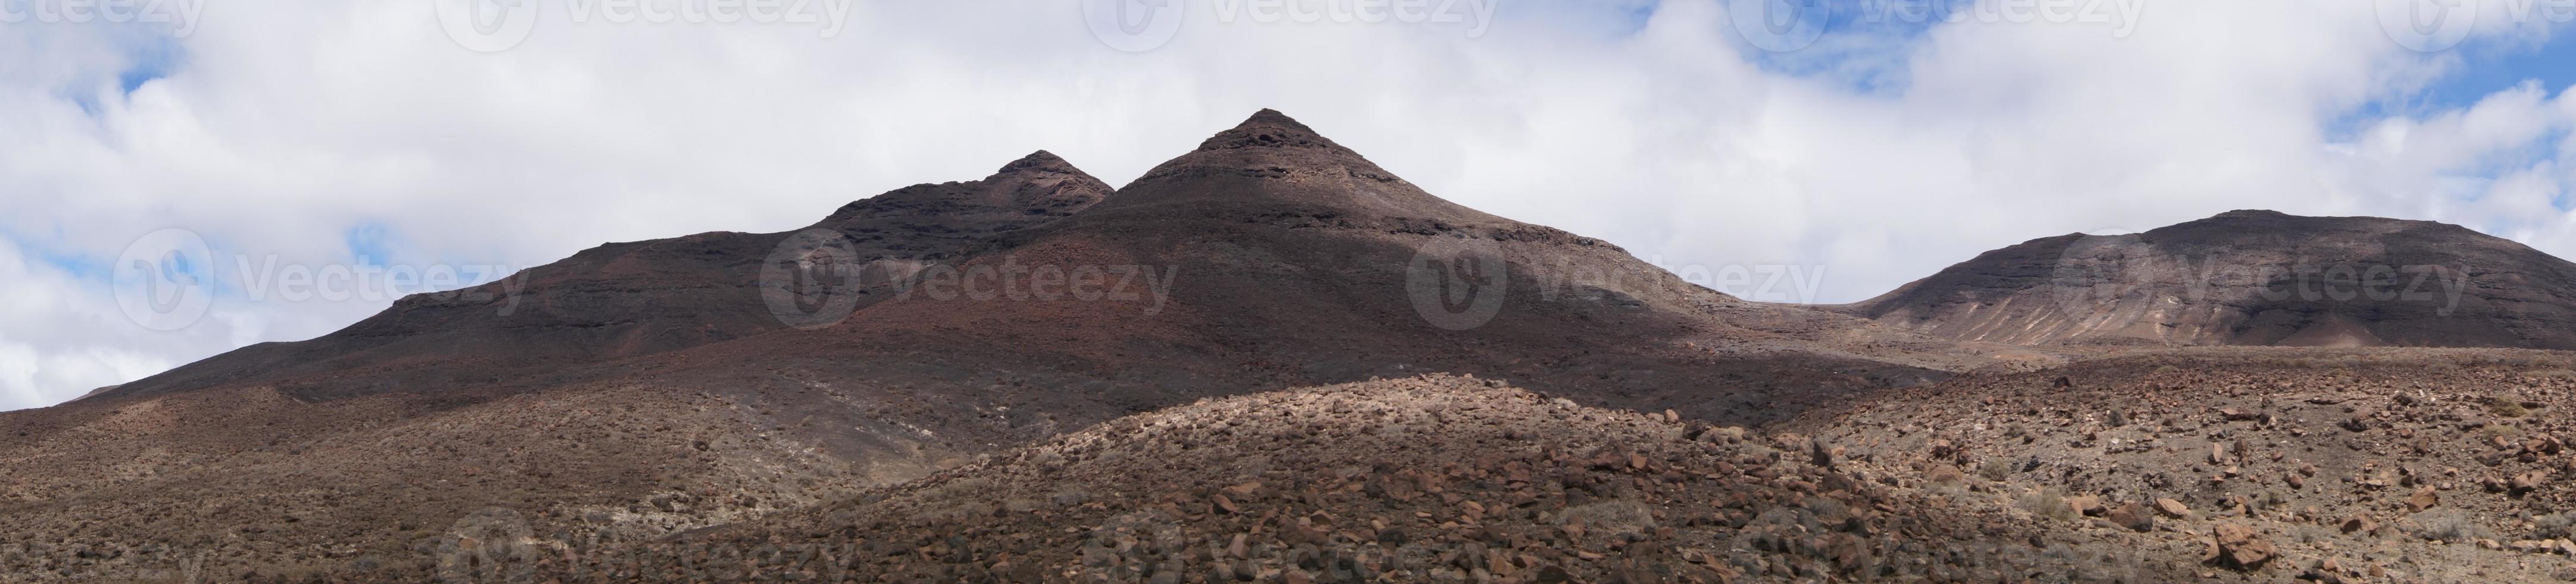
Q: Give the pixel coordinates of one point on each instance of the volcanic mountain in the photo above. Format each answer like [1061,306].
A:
[2251,278]
[1272,257]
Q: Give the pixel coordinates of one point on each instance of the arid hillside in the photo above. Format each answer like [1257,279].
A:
[2251,278]
[1432,479]
[2356,465]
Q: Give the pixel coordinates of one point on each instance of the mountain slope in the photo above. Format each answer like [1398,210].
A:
[629,299]
[2251,278]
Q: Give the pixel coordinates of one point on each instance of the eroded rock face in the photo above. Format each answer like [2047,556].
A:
[2251,278]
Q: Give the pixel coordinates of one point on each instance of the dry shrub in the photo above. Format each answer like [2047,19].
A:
[1995,469]
[2050,503]
[2560,525]
[2446,525]
[1613,516]
[2506,407]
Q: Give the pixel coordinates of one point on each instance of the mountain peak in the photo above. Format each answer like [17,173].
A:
[2242,213]
[1037,186]
[1268,129]
[1271,159]
[1039,160]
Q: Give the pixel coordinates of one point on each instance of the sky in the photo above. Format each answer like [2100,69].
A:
[307,163]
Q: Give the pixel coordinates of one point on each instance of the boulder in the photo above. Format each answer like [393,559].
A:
[2172,508]
[2239,548]
[2132,515]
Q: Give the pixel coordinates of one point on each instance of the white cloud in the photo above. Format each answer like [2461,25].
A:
[283,126]
[59,335]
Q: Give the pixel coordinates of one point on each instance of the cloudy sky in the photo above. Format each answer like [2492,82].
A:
[376,146]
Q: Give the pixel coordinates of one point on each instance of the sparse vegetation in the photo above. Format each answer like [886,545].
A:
[2446,525]
[1996,469]
[2049,502]
[1615,516]
[2506,407]
[2558,525]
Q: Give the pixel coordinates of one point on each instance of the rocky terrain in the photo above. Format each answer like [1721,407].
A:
[1271,359]
[1433,479]
[239,485]
[2379,465]
[2197,465]
[2251,278]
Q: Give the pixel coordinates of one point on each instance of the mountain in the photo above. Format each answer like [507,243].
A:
[637,391]
[2250,278]
[629,299]
[1273,257]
